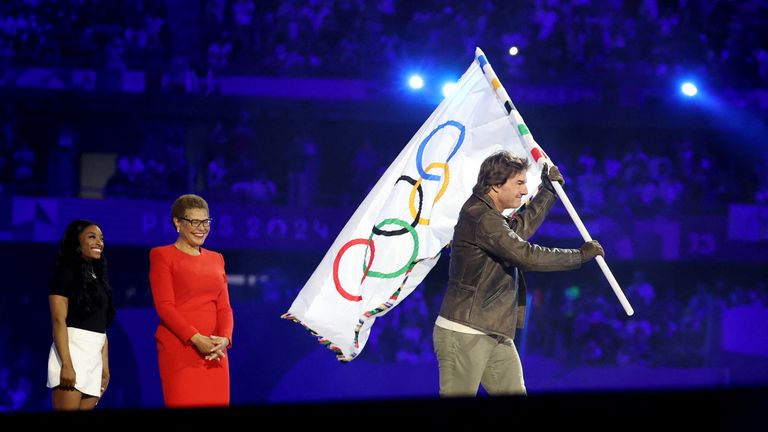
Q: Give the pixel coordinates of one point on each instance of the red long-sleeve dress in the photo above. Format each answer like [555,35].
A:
[191,296]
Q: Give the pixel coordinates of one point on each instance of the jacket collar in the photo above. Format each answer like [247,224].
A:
[487,200]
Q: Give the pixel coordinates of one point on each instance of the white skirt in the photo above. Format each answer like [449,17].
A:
[85,350]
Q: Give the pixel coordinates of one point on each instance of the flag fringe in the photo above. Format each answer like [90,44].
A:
[366,316]
[390,303]
[320,339]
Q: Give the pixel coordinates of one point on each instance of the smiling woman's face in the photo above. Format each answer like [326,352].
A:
[194,236]
[91,242]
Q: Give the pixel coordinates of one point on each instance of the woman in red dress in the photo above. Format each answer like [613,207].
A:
[189,288]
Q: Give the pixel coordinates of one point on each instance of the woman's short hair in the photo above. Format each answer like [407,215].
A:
[496,169]
[184,203]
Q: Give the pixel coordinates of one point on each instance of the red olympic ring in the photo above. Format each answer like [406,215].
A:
[337,260]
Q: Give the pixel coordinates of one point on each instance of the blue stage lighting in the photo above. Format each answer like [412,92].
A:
[689,89]
[448,88]
[416,82]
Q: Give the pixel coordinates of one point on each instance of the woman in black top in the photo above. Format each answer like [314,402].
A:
[81,309]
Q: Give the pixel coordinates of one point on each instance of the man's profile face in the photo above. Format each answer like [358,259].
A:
[510,194]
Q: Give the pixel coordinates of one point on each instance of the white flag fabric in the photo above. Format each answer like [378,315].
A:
[395,237]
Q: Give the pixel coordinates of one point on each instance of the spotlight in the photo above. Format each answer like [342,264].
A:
[689,89]
[415,82]
[448,88]
[513,51]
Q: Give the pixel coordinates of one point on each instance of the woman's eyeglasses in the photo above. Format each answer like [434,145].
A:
[195,223]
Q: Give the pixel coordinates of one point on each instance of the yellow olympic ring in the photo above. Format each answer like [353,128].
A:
[446,177]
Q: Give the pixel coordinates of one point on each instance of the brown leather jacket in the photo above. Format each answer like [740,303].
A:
[489,252]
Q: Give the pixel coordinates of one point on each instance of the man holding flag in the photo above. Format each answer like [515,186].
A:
[396,235]
[485,301]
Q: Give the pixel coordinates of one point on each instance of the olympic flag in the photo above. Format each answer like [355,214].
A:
[395,237]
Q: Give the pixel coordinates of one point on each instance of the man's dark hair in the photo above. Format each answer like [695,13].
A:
[496,169]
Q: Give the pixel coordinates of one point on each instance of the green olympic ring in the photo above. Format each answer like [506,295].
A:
[410,262]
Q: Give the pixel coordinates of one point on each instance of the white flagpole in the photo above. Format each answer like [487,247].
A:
[541,158]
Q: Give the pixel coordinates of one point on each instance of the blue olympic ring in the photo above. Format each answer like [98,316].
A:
[420,153]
